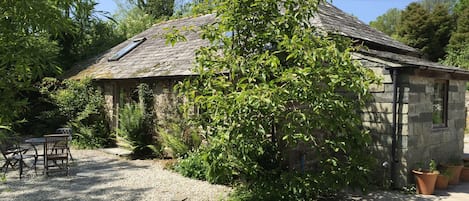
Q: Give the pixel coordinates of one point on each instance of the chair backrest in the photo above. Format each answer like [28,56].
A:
[55,143]
[65,131]
[8,145]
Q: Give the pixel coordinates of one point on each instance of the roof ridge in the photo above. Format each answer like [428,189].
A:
[177,19]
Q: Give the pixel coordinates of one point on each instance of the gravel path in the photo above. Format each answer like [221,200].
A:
[96,175]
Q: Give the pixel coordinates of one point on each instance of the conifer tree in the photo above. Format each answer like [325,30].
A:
[442,24]
[415,29]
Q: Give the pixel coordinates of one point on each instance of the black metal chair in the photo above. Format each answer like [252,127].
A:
[69,132]
[56,153]
[14,155]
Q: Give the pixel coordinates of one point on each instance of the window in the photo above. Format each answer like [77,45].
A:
[127,49]
[440,103]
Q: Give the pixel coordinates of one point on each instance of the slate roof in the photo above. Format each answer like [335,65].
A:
[405,61]
[154,58]
[332,19]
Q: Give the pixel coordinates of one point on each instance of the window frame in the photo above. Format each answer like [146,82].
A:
[127,49]
[444,98]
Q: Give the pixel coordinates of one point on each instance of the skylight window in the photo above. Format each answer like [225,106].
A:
[127,49]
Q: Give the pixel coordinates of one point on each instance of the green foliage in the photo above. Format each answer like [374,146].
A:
[179,137]
[460,6]
[194,166]
[177,146]
[415,29]
[458,58]
[287,186]
[155,8]
[282,82]
[458,51]
[159,8]
[88,35]
[443,24]
[37,37]
[427,30]
[425,25]
[90,136]
[3,130]
[431,4]
[136,125]
[82,105]
[26,53]
[432,165]
[388,23]
[132,21]
[174,36]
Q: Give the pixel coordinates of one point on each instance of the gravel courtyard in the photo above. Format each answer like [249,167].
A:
[96,175]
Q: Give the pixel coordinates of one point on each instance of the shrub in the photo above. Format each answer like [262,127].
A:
[136,123]
[283,84]
[194,166]
[285,187]
[179,136]
[82,106]
[134,131]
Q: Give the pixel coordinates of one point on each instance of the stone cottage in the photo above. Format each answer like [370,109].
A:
[417,113]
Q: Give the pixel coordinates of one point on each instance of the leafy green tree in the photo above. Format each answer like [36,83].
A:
[460,6]
[432,4]
[38,39]
[388,23]
[26,51]
[132,20]
[442,24]
[425,25]
[88,36]
[427,30]
[279,83]
[415,29]
[160,8]
[81,105]
[458,51]
[155,8]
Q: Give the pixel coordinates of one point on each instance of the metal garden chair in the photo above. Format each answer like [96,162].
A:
[14,155]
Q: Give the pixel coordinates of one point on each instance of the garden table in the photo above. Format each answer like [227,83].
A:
[36,141]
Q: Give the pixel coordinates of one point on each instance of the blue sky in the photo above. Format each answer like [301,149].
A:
[365,10]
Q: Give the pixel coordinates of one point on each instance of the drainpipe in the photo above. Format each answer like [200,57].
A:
[394,134]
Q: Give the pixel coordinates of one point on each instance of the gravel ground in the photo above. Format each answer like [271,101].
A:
[96,175]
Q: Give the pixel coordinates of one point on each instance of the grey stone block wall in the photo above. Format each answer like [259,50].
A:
[425,141]
[417,141]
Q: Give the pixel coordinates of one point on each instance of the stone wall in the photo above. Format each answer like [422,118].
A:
[377,118]
[416,141]
[423,142]
[117,93]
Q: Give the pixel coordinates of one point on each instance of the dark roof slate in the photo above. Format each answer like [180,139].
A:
[334,20]
[152,58]
[155,58]
[405,61]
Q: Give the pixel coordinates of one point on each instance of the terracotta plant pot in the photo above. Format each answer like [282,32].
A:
[455,172]
[464,174]
[425,181]
[442,182]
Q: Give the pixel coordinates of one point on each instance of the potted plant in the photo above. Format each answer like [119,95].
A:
[443,178]
[426,179]
[465,170]
[454,167]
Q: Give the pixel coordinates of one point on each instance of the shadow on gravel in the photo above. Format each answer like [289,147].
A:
[90,179]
